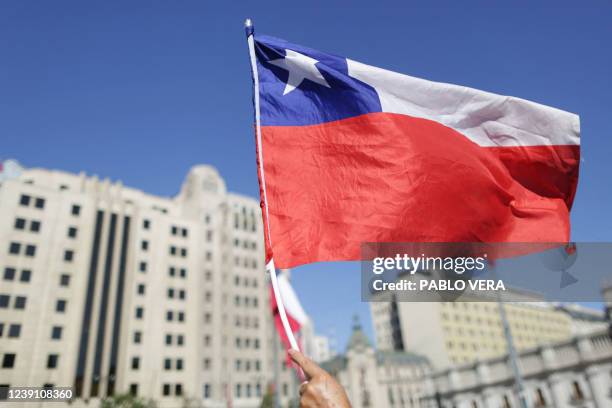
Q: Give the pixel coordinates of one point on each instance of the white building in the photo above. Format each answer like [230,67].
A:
[111,290]
[315,346]
[379,379]
[452,333]
[572,373]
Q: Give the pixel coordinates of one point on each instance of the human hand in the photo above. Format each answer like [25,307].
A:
[320,390]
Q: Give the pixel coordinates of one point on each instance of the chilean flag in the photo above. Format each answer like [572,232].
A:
[293,308]
[350,153]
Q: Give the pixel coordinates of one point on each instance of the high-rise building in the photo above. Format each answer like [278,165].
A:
[315,346]
[111,290]
[451,333]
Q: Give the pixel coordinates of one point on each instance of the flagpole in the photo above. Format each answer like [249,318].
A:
[250,31]
[512,354]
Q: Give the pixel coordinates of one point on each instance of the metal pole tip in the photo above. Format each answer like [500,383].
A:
[248,27]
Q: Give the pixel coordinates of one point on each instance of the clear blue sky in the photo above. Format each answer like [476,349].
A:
[140,91]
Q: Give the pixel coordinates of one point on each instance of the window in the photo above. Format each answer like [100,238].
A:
[143,267]
[8,361]
[206,391]
[24,200]
[169,315]
[14,248]
[183,272]
[183,252]
[20,302]
[166,389]
[1,328]
[141,289]
[238,390]
[40,203]
[146,224]
[52,361]
[30,250]
[137,337]
[26,274]
[144,245]
[14,330]
[34,226]
[9,274]
[168,339]
[172,250]
[179,364]
[178,389]
[20,223]
[182,294]
[577,394]
[171,271]
[167,364]
[68,255]
[4,301]
[135,363]
[56,332]
[76,210]
[60,306]
[72,232]
[180,340]
[181,316]
[173,230]
[185,232]
[139,312]
[170,293]
[134,389]
[64,280]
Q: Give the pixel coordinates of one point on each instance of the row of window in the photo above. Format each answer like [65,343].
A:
[171,315]
[173,271]
[247,365]
[248,390]
[178,364]
[10,274]
[246,342]
[39,202]
[29,250]
[16,247]
[14,331]
[178,231]
[9,360]
[246,244]
[26,200]
[247,301]
[175,251]
[22,224]
[246,262]
[18,303]
[246,282]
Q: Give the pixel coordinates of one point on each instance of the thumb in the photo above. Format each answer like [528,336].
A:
[309,367]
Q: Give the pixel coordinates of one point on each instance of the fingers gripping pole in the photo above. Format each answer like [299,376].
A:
[280,305]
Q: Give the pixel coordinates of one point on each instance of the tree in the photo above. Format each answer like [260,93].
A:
[267,400]
[127,401]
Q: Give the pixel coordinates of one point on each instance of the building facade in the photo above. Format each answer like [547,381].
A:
[110,290]
[379,379]
[314,345]
[451,333]
[572,373]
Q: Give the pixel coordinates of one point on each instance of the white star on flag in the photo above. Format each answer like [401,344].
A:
[300,67]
